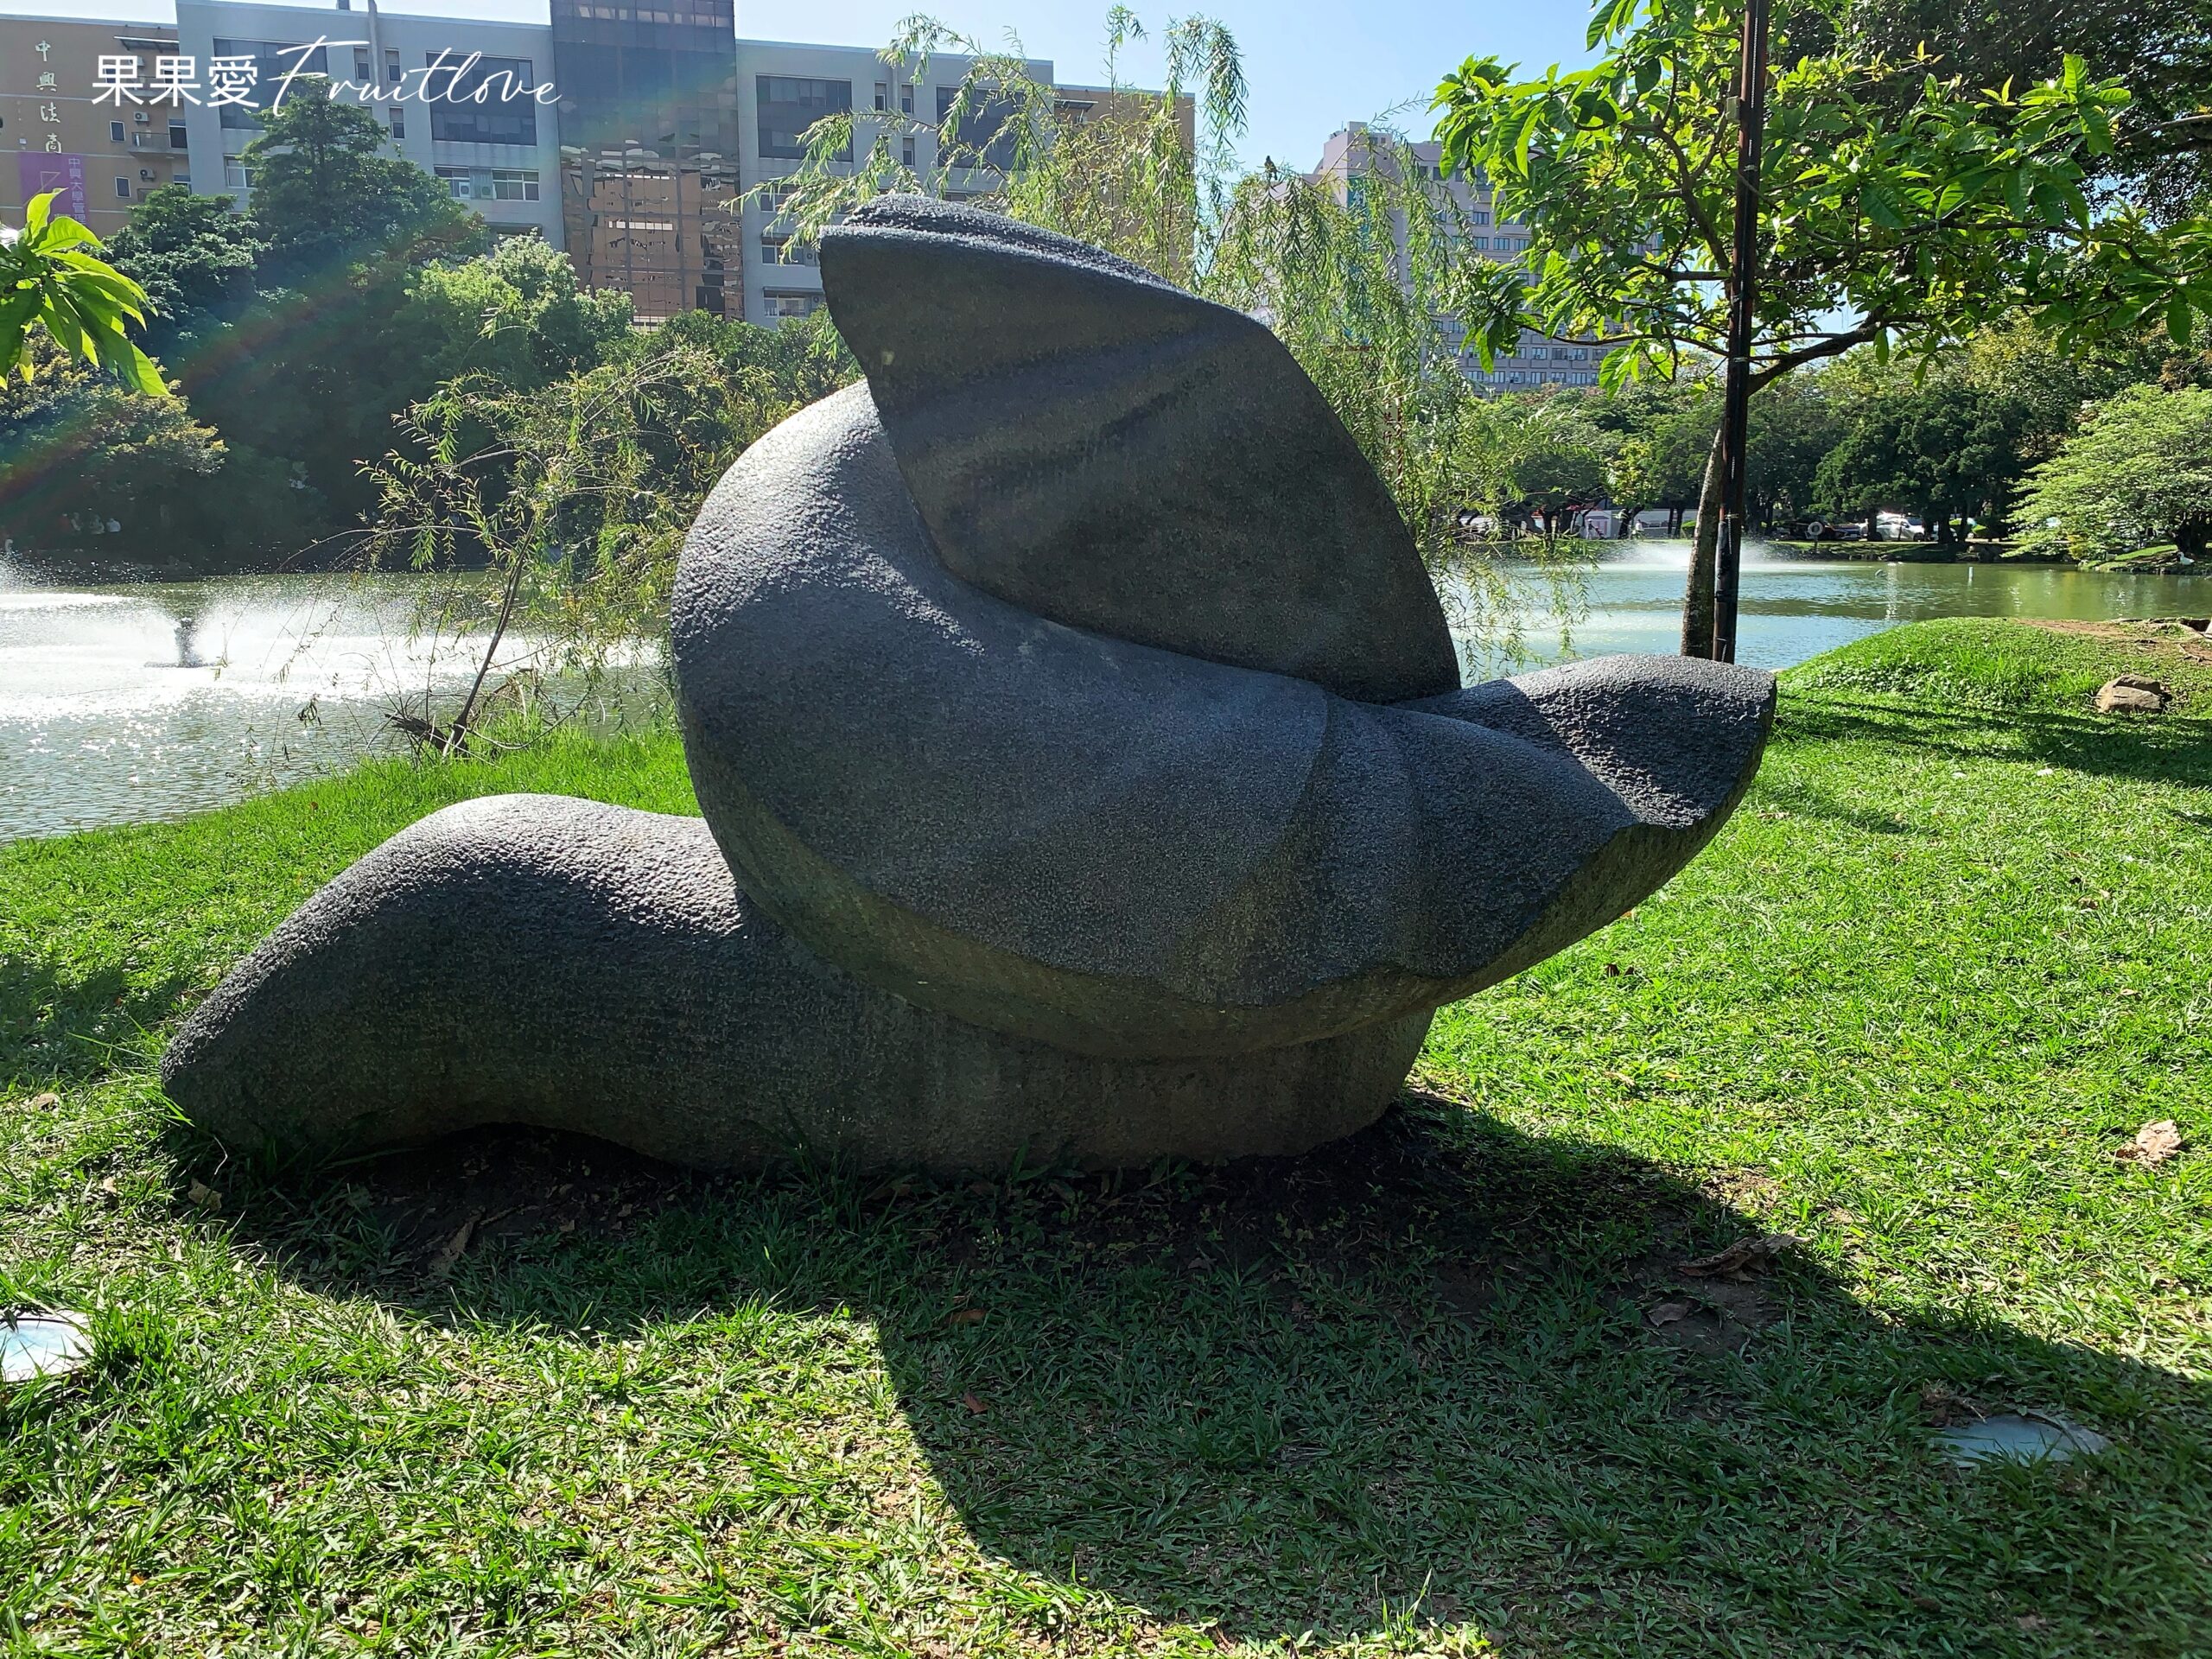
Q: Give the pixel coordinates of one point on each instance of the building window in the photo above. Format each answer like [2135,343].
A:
[123,188]
[782,250]
[361,72]
[985,136]
[790,104]
[1477,216]
[392,72]
[236,175]
[506,184]
[906,149]
[882,94]
[782,302]
[177,137]
[490,105]
[115,132]
[399,121]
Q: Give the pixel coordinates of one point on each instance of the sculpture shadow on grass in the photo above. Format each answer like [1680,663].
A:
[1445,1372]
[2153,749]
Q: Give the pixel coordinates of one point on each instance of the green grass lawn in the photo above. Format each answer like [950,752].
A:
[1441,1389]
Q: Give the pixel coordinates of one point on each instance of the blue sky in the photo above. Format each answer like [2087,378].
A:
[1312,66]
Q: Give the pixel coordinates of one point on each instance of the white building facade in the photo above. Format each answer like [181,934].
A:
[499,153]
[783,88]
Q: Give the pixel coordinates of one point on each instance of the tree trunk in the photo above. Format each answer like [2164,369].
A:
[1697,596]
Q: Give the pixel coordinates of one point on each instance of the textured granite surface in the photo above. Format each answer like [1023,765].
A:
[1125,850]
[1097,447]
[536,959]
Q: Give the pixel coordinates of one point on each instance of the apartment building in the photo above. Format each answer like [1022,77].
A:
[784,88]
[653,122]
[103,152]
[1353,154]
[452,116]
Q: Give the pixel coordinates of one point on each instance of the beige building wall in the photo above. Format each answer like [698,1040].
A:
[50,73]
[1536,360]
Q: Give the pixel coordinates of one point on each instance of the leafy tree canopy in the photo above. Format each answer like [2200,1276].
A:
[515,314]
[194,256]
[2160,50]
[2138,472]
[327,191]
[78,445]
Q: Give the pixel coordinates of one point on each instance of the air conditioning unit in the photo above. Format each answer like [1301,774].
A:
[146,172]
[141,116]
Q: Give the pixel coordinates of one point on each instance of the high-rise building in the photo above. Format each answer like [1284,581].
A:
[1354,153]
[445,88]
[102,150]
[650,153]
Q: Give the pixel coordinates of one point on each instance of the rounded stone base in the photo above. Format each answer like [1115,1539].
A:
[565,964]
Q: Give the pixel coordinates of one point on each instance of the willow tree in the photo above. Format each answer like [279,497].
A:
[1360,276]
[1899,211]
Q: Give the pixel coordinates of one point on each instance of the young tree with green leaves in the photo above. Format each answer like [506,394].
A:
[2138,472]
[1902,222]
[85,306]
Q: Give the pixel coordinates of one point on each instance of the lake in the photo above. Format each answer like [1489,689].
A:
[121,701]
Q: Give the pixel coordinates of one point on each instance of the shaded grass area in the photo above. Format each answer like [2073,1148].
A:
[522,1395]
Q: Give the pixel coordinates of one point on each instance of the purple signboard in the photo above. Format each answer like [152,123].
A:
[40,171]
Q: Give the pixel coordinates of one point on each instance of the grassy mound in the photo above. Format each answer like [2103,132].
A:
[1987,663]
[1453,1388]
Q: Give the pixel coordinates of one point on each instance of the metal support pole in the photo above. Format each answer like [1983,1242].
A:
[1750,132]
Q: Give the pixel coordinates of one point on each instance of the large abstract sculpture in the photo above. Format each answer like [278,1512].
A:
[1084,771]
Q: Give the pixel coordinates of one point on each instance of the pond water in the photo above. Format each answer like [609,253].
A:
[1795,606]
[121,702]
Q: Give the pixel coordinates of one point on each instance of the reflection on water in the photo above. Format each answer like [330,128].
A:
[131,702]
[1795,606]
[134,701]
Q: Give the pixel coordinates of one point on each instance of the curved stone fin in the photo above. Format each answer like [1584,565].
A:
[1101,449]
[1676,738]
[565,964]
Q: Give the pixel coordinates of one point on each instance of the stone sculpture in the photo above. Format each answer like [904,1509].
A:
[1084,774]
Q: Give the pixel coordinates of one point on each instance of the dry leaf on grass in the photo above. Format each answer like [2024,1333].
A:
[39,1102]
[450,1251]
[1668,1314]
[964,1316]
[1740,1260]
[974,1405]
[2154,1144]
[203,1196]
